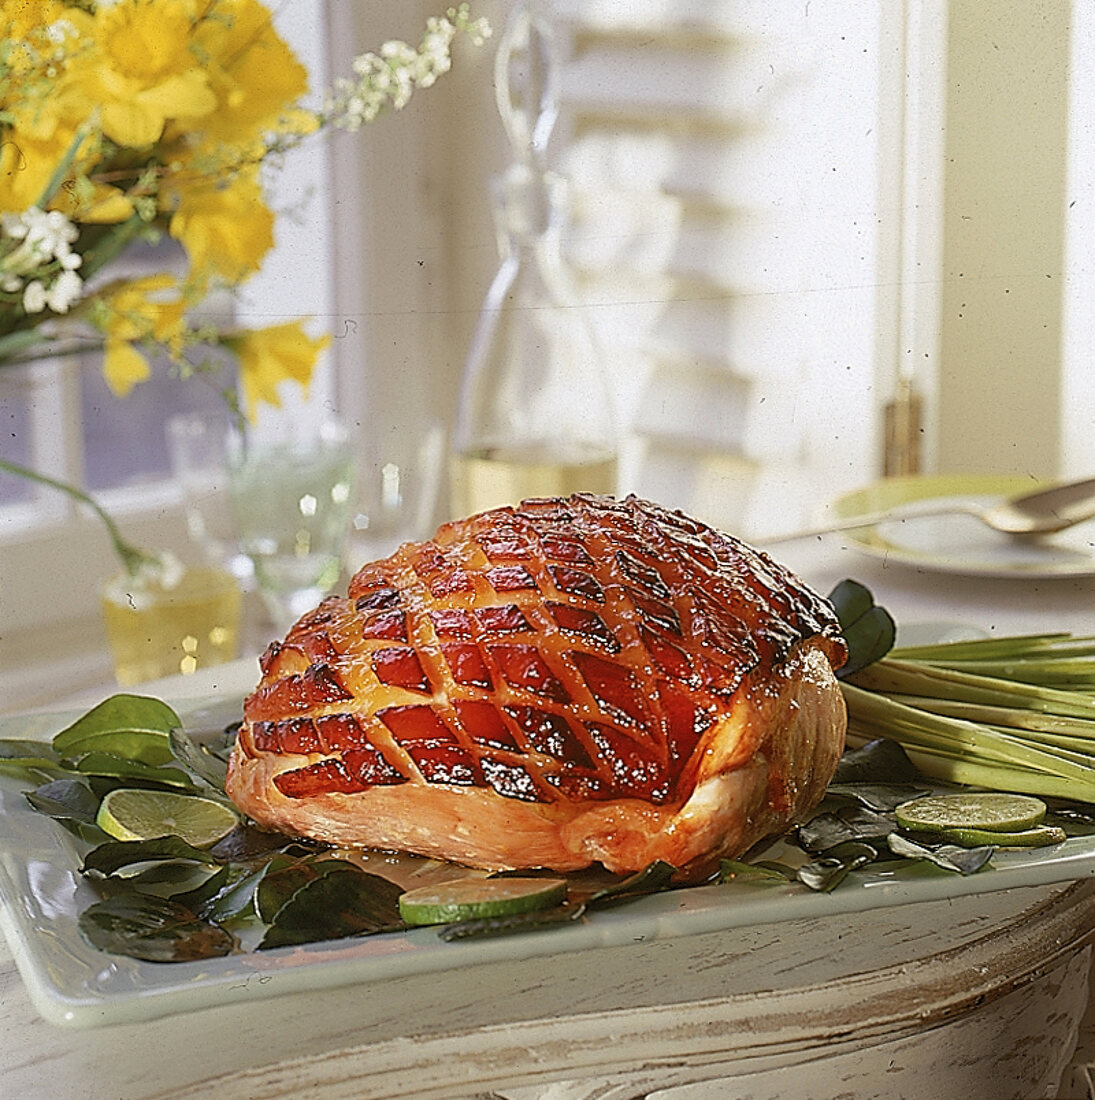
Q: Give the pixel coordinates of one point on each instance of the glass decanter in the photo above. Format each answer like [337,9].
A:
[535,415]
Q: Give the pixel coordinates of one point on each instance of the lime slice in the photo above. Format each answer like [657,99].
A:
[1037,837]
[131,814]
[997,812]
[476,898]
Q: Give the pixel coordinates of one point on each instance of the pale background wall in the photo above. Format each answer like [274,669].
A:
[1005,190]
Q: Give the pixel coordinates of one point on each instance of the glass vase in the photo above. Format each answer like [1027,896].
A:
[535,416]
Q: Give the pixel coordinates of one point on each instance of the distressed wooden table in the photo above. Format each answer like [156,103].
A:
[981,996]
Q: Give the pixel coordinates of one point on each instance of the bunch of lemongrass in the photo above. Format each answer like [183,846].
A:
[1013,713]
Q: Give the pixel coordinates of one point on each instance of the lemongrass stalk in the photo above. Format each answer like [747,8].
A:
[950,768]
[1079,757]
[1076,781]
[960,682]
[1081,730]
[907,678]
[981,750]
[1065,673]
[908,725]
[1007,646]
[1083,747]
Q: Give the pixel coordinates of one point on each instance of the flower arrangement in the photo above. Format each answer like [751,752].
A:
[126,121]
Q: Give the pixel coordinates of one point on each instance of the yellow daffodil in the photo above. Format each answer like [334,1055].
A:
[269,356]
[145,307]
[104,205]
[123,367]
[26,168]
[24,24]
[149,309]
[254,74]
[225,230]
[121,120]
[147,70]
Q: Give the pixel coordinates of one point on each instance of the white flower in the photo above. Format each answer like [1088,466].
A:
[390,77]
[14,226]
[44,237]
[34,297]
[60,29]
[66,289]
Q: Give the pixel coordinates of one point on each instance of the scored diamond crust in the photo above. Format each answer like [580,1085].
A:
[568,650]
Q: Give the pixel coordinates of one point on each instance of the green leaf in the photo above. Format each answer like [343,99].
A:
[116,854]
[869,630]
[33,755]
[164,879]
[345,902]
[831,868]
[221,746]
[880,797]
[851,601]
[825,831]
[245,844]
[66,799]
[117,767]
[879,761]
[143,926]
[566,913]
[950,857]
[236,900]
[650,880]
[205,900]
[135,727]
[282,880]
[1075,820]
[206,767]
[733,870]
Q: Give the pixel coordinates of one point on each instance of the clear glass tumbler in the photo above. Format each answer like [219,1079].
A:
[199,447]
[293,504]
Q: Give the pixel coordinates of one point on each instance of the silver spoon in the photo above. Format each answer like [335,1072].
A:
[1039,513]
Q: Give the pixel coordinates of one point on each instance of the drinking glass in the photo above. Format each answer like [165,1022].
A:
[171,622]
[292,503]
[198,447]
[400,489]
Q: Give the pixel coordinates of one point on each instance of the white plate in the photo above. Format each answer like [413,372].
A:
[72,984]
[962,544]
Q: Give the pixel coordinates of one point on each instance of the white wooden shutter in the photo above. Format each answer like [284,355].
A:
[727,158]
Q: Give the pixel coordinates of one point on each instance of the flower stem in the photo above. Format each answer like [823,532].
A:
[131,557]
[29,346]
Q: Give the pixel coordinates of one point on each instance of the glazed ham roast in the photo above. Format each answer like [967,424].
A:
[568,682]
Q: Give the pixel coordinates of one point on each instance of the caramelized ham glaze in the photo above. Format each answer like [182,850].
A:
[568,682]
